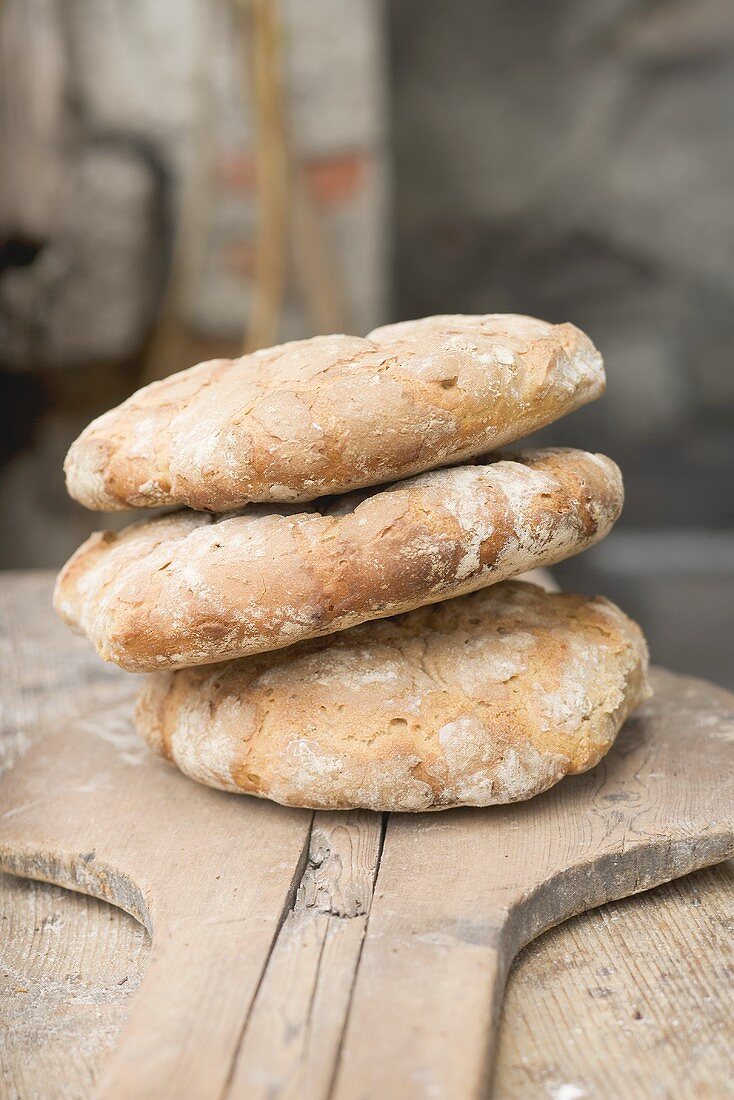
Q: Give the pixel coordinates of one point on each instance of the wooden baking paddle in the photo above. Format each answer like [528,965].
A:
[347,954]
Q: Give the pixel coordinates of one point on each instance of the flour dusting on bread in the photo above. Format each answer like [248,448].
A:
[187,589]
[333,413]
[484,699]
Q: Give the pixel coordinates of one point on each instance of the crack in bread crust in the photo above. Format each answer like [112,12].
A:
[334,413]
[188,588]
[485,699]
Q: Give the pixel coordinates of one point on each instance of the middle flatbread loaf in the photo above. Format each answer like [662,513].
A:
[192,588]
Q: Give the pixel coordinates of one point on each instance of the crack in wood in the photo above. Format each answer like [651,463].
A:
[287,908]
[338,1056]
[292,1036]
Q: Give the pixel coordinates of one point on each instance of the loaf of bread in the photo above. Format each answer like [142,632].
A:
[485,699]
[335,413]
[191,588]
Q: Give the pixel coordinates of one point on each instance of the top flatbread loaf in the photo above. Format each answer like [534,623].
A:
[334,413]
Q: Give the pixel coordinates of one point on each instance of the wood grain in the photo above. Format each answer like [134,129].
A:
[306,979]
[292,1039]
[48,675]
[638,993]
[69,967]
[90,809]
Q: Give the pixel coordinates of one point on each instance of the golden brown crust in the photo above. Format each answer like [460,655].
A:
[190,588]
[484,699]
[335,413]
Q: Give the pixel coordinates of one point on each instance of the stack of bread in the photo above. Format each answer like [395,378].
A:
[326,617]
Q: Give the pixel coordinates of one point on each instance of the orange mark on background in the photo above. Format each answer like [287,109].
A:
[331,180]
[334,180]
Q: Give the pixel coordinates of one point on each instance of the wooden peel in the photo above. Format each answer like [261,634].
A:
[346,954]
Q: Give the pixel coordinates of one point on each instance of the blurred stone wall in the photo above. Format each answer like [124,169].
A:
[575,160]
[136,132]
[130,209]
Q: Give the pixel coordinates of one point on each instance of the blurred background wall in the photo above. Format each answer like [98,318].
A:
[573,159]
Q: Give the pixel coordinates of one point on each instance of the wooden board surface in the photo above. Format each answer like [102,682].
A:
[541,1050]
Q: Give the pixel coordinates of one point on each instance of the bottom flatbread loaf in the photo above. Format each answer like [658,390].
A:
[484,699]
